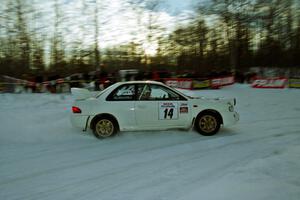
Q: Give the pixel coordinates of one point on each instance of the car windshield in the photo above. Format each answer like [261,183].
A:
[182,94]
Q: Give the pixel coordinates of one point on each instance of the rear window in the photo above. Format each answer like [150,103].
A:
[123,93]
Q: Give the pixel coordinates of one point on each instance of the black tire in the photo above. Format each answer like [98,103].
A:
[105,127]
[207,123]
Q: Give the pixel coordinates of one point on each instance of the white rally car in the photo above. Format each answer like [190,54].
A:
[148,105]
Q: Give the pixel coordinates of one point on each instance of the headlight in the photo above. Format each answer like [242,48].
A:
[231,108]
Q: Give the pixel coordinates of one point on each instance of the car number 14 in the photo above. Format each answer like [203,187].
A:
[168,110]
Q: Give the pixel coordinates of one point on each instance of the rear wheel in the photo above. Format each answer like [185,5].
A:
[105,127]
[207,124]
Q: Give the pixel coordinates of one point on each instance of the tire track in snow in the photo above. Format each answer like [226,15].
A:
[132,150]
[184,157]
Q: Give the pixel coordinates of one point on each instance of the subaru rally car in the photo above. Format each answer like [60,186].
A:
[148,105]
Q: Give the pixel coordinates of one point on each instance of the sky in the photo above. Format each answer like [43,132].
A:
[177,6]
[118,23]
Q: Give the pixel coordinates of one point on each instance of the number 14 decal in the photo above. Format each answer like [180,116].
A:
[168,113]
[168,110]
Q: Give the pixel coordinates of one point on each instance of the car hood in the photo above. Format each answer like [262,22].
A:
[221,100]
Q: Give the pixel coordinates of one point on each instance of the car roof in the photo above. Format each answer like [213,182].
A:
[114,86]
[143,82]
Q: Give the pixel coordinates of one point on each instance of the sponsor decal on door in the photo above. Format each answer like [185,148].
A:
[168,111]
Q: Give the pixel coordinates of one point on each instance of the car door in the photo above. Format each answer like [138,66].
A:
[121,104]
[158,107]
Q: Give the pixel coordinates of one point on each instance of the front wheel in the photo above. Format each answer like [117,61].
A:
[105,127]
[207,124]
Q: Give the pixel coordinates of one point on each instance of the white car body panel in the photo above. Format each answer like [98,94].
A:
[148,114]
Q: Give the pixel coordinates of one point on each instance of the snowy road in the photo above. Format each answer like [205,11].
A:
[43,157]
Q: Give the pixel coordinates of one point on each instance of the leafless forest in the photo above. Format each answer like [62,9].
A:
[70,36]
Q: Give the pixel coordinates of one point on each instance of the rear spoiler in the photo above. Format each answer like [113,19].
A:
[81,93]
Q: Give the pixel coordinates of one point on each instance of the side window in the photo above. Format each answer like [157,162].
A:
[157,92]
[143,92]
[123,93]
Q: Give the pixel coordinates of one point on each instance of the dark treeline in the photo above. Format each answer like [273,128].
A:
[221,35]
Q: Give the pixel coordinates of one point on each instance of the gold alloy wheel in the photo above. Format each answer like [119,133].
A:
[208,123]
[104,128]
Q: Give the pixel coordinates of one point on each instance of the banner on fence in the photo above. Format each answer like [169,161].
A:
[222,81]
[182,83]
[276,83]
[294,83]
[199,84]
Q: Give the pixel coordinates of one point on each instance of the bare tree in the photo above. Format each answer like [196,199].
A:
[96,36]
[23,37]
[57,44]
